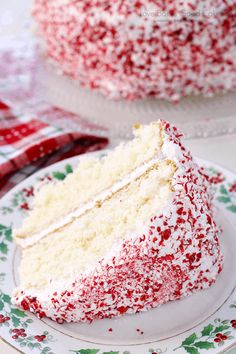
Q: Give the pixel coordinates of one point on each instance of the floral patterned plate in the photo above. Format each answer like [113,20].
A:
[202,323]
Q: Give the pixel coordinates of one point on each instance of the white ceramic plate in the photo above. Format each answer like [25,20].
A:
[204,321]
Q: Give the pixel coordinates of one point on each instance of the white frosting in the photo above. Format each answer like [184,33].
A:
[170,150]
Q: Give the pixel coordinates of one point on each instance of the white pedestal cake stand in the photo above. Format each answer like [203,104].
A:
[194,116]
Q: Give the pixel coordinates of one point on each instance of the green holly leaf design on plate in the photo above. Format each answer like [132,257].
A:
[69,168]
[221,328]
[207,330]
[59,175]
[29,321]
[6,298]
[1,305]
[38,345]
[5,210]
[30,345]
[227,333]
[223,190]
[8,234]
[232,208]
[111,352]
[3,248]
[223,199]
[5,236]
[46,350]
[15,321]
[190,340]
[191,350]
[18,312]
[2,228]
[86,351]
[204,345]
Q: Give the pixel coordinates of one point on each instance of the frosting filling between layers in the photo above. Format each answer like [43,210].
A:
[96,201]
[54,201]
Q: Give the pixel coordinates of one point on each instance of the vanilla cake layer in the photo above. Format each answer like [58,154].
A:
[93,175]
[149,237]
[89,238]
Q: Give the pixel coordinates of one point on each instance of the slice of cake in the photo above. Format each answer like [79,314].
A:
[122,234]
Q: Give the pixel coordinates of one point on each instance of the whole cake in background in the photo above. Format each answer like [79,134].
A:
[134,49]
[123,233]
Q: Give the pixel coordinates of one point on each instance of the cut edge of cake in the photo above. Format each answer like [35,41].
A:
[93,177]
[89,238]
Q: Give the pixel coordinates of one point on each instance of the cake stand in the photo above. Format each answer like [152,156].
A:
[195,116]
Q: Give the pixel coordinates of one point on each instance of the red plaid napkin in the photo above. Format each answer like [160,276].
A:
[27,140]
[34,133]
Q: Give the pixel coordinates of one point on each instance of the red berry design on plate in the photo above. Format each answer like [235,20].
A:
[18,332]
[22,332]
[15,330]
[233,323]
[24,206]
[40,338]
[28,191]
[4,319]
[233,188]
[220,337]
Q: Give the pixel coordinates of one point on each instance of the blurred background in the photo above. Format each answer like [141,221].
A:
[209,138]
[14,16]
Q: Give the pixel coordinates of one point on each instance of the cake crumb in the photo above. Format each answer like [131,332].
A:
[136,126]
